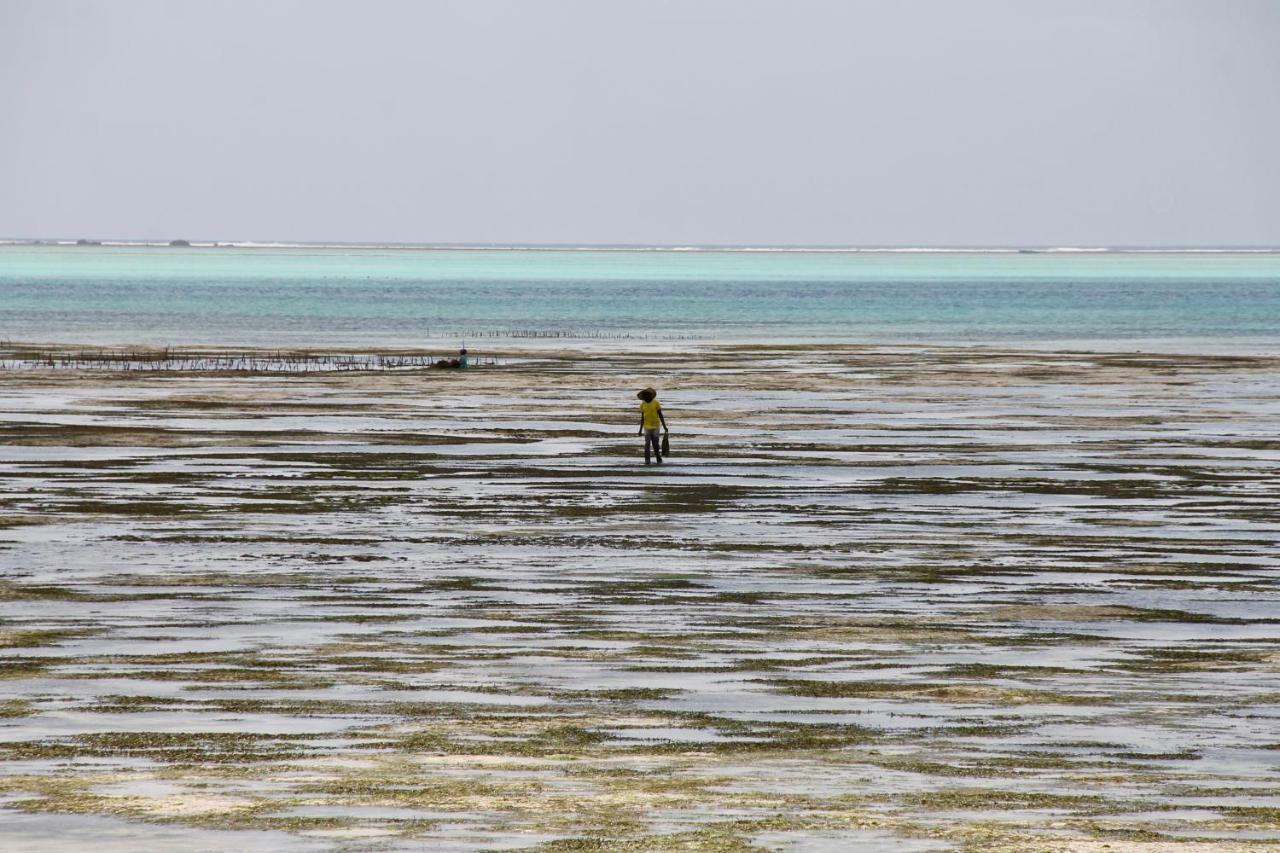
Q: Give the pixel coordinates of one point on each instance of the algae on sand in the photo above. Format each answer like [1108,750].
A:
[954,597]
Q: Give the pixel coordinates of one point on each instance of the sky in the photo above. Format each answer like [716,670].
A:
[688,122]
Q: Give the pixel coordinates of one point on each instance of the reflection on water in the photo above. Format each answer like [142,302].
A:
[878,596]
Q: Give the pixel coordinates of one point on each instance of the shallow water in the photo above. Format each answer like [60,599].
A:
[876,597]
[344,295]
[43,833]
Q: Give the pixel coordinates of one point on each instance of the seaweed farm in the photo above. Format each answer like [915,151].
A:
[892,598]
[210,360]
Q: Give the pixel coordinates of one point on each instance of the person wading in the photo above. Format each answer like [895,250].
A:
[650,419]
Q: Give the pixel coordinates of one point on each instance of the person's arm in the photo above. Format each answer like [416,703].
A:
[641,430]
[663,418]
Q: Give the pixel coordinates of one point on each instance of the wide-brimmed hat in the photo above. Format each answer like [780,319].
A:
[647,394]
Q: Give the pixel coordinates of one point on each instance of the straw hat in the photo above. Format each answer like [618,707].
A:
[647,394]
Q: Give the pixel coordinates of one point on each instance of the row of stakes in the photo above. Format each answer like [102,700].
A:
[257,362]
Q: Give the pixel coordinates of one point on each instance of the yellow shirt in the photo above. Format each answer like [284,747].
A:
[650,412]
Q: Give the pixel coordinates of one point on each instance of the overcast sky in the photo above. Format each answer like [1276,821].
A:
[795,122]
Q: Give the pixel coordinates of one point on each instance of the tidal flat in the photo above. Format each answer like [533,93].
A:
[880,598]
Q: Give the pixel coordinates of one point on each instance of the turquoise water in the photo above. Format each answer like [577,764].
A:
[334,296]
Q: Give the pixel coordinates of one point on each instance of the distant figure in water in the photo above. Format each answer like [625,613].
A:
[650,418]
[459,362]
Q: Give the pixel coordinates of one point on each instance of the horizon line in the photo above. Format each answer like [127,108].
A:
[628,247]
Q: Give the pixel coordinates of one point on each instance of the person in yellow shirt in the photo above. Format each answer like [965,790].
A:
[650,418]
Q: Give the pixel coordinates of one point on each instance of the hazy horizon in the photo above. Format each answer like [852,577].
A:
[267,243]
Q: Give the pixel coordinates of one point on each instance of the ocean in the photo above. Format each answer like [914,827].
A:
[344,296]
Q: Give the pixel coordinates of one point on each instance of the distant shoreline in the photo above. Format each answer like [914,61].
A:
[553,247]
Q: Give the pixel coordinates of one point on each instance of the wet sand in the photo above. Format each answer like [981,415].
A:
[881,598]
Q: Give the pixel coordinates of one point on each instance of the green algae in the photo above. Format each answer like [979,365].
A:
[11,638]
[21,667]
[978,693]
[1196,660]
[182,747]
